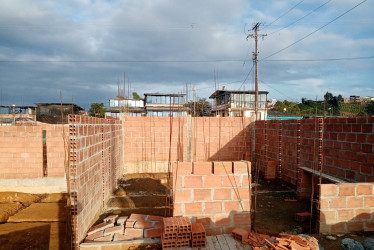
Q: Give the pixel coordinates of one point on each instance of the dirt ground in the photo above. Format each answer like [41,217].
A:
[273,214]
[39,223]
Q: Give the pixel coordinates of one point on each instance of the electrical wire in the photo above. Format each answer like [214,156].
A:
[267,84]
[300,18]
[323,26]
[247,76]
[187,61]
[319,60]
[283,14]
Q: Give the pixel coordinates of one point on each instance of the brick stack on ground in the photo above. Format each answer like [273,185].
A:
[216,194]
[125,228]
[176,232]
[179,232]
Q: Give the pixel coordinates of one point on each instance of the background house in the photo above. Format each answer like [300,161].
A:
[164,105]
[129,107]
[13,114]
[233,103]
[51,112]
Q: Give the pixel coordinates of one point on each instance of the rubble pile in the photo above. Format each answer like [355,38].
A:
[283,242]
[126,228]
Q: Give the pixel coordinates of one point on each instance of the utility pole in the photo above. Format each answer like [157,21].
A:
[255,59]
[194,101]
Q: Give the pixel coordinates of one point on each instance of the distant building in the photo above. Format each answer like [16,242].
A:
[129,107]
[233,103]
[368,99]
[13,114]
[354,98]
[164,105]
[51,112]
[346,100]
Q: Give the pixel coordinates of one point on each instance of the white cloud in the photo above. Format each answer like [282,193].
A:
[178,30]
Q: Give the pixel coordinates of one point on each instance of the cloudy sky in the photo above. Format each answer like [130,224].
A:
[84,47]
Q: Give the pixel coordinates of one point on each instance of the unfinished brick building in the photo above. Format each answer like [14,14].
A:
[210,160]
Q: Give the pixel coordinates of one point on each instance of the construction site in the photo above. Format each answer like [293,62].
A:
[186,182]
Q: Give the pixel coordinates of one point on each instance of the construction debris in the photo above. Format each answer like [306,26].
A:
[283,242]
[115,228]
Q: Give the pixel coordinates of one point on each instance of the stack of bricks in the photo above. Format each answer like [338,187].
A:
[116,228]
[216,194]
[179,232]
[176,232]
[347,207]
[198,236]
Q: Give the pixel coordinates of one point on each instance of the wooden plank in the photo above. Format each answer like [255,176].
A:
[209,243]
[216,244]
[231,242]
[222,242]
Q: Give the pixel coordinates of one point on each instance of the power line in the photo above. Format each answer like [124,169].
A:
[123,61]
[290,98]
[283,14]
[319,60]
[183,61]
[336,18]
[247,76]
[301,17]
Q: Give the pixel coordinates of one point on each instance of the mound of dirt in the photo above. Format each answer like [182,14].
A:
[149,185]
[137,201]
[11,197]
[55,198]
[7,210]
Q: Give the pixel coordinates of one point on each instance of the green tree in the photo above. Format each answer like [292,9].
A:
[370,108]
[200,108]
[287,107]
[334,103]
[135,96]
[97,110]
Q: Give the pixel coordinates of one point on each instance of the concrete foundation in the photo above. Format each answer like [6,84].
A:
[46,185]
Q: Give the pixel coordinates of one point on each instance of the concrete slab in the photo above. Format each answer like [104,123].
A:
[34,185]
[41,212]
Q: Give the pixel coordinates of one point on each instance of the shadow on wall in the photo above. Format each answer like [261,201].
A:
[346,207]
[229,148]
[362,222]
[224,223]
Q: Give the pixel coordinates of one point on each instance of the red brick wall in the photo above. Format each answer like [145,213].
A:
[342,147]
[348,150]
[346,207]
[21,150]
[216,194]
[148,138]
[203,138]
[95,160]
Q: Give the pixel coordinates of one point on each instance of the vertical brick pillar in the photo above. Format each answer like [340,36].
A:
[73,181]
